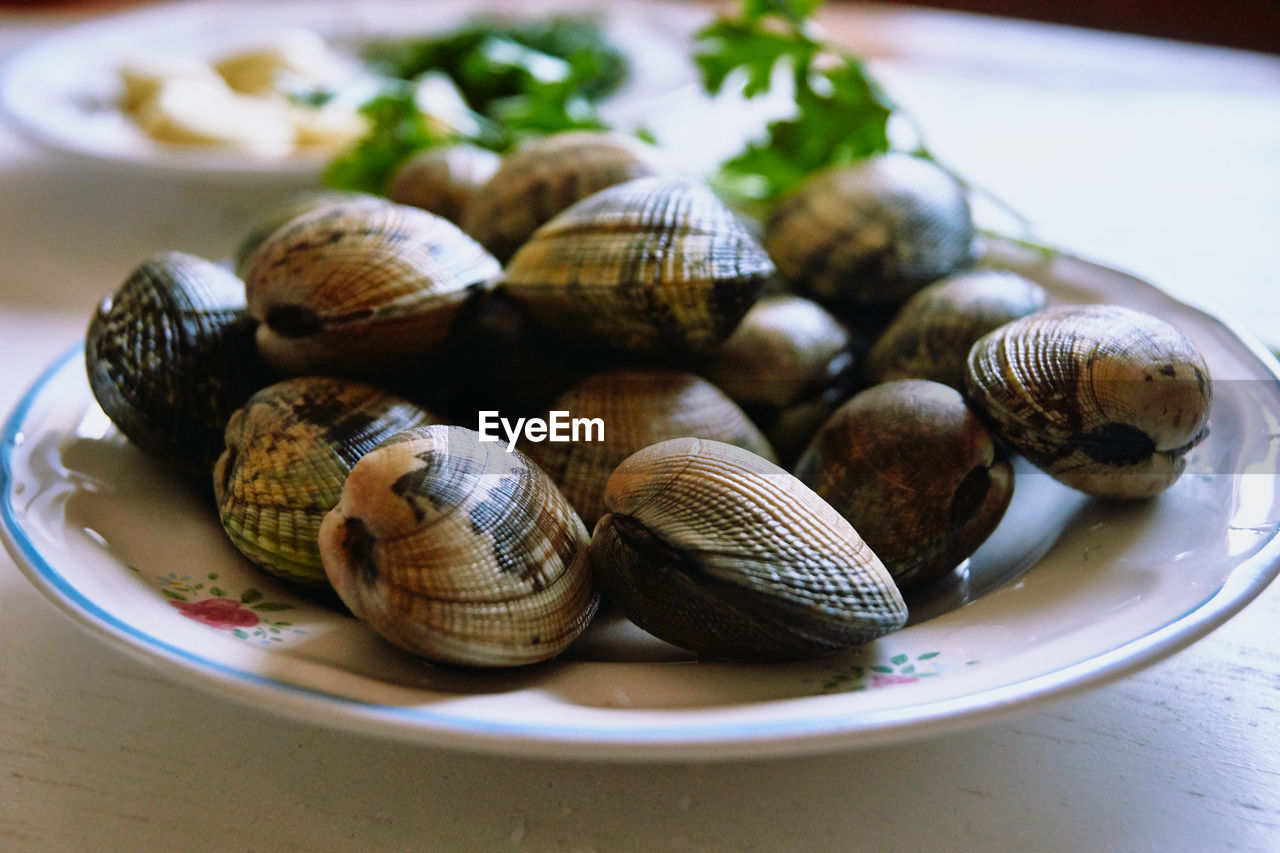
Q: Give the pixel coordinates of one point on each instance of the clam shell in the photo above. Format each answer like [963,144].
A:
[443,180]
[788,364]
[930,336]
[915,472]
[716,550]
[460,552]
[288,450]
[656,265]
[170,355]
[871,233]
[359,289]
[636,408]
[1106,399]
[546,175]
[290,209]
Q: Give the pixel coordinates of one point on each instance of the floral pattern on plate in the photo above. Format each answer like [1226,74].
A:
[244,615]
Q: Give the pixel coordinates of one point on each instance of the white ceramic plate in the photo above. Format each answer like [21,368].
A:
[1068,593]
[62,91]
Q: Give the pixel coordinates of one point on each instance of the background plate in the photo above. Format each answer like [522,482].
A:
[1069,592]
[62,90]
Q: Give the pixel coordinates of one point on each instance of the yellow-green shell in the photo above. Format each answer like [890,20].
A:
[288,450]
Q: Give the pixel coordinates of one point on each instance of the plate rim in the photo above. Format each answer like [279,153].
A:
[694,739]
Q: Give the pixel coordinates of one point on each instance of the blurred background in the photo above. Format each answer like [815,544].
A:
[1247,24]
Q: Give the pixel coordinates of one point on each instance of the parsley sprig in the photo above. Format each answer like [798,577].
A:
[841,113]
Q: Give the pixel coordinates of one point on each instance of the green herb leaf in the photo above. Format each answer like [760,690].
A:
[840,113]
[518,80]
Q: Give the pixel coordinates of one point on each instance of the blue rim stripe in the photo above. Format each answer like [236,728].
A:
[1245,582]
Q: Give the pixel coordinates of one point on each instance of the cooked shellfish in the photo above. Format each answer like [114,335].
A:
[930,336]
[288,450]
[443,180]
[916,474]
[1106,399]
[717,550]
[358,288]
[788,364]
[546,175]
[871,233]
[286,211]
[460,552]
[170,355]
[656,265]
[636,408]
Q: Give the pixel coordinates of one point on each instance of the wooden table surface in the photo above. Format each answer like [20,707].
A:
[1156,157]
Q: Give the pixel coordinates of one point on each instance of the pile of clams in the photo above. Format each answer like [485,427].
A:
[789,429]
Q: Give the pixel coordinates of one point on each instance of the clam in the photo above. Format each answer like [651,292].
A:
[288,450]
[915,472]
[1107,399]
[360,289]
[930,336]
[289,209]
[546,175]
[719,551]
[788,364]
[871,233]
[635,408]
[459,552]
[443,180]
[655,266]
[170,355]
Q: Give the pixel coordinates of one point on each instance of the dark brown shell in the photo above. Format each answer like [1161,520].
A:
[656,265]
[871,233]
[288,450]
[915,472]
[930,336]
[1106,399]
[443,180]
[360,289]
[459,551]
[170,355]
[636,408]
[546,175]
[717,550]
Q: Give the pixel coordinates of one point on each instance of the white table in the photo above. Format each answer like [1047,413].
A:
[1178,146]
